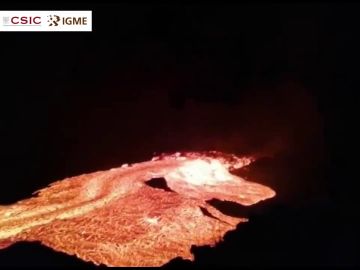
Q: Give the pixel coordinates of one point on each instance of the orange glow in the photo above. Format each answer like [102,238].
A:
[114,218]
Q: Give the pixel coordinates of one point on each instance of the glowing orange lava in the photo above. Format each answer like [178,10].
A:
[114,218]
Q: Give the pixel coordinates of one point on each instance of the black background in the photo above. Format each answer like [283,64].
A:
[277,81]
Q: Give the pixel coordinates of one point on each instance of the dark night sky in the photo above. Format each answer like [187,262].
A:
[277,81]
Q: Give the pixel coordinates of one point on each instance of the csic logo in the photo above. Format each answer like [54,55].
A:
[22,20]
[54,20]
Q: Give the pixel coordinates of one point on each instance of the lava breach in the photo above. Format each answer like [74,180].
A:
[115,218]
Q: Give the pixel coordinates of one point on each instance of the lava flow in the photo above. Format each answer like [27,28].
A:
[115,218]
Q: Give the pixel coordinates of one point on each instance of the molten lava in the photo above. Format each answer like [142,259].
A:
[114,218]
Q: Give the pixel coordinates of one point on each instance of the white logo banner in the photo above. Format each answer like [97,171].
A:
[45,21]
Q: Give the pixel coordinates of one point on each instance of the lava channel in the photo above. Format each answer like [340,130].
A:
[115,218]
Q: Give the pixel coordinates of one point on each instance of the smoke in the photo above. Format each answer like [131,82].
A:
[263,122]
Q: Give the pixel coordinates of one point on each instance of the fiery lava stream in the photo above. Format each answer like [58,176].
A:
[114,218]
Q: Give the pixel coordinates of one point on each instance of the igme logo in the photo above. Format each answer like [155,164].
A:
[53,20]
[75,21]
[46,21]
